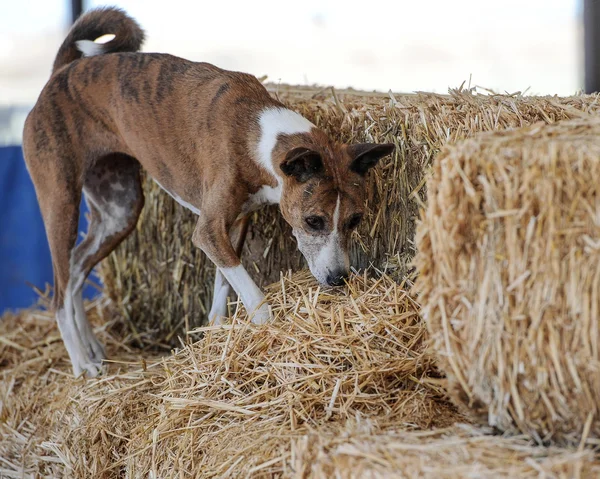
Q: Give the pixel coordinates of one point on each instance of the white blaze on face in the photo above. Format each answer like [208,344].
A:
[325,254]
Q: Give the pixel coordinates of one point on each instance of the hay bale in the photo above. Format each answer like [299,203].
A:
[229,404]
[161,283]
[36,387]
[340,385]
[509,262]
[369,449]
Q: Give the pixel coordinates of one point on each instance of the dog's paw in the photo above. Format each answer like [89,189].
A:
[217,314]
[96,350]
[218,320]
[261,315]
[91,369]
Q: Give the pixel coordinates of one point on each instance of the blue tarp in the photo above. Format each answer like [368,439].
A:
[24,254]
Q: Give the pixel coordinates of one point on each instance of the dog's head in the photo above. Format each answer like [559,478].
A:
[323,200]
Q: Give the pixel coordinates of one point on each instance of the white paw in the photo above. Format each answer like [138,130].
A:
[217,314]
[217,320]
[90,368]
[261,315]
[95,349]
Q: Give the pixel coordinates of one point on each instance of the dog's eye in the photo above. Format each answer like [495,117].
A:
[316,223]
[354,221]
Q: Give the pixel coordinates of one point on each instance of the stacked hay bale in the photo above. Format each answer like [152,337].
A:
[458,452]
[509,262]
[338,386]
[163,284]
[228,404]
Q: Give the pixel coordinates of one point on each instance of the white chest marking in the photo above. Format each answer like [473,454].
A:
[274,122]
[267,195]
[183,203]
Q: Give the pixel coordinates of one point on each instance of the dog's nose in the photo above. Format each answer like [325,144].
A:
[337,278]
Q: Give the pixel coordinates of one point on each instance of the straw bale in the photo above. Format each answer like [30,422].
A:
[161,283]
[36,385]
[370,450]
[341,385]
[509,262]
[232,400]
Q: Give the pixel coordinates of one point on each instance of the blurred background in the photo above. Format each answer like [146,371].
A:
[533,46]
[380,44]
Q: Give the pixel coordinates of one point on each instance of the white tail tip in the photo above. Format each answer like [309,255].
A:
[89,48]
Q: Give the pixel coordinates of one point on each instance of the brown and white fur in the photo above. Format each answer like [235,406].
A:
[215,140]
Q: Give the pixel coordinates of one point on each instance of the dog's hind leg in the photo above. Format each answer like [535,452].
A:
[222,290]
[115,198]
[59,203]
[115,195]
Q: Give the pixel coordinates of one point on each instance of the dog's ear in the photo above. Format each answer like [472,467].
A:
[302,164]
[366,155]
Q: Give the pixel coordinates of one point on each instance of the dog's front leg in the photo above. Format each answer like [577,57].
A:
[211,235]
[222,289]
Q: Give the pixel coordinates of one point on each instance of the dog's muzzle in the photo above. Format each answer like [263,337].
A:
[337,278]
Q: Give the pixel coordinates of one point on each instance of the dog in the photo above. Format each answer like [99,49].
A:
[215,140]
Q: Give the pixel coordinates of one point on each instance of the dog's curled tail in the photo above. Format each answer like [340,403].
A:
[128,36]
